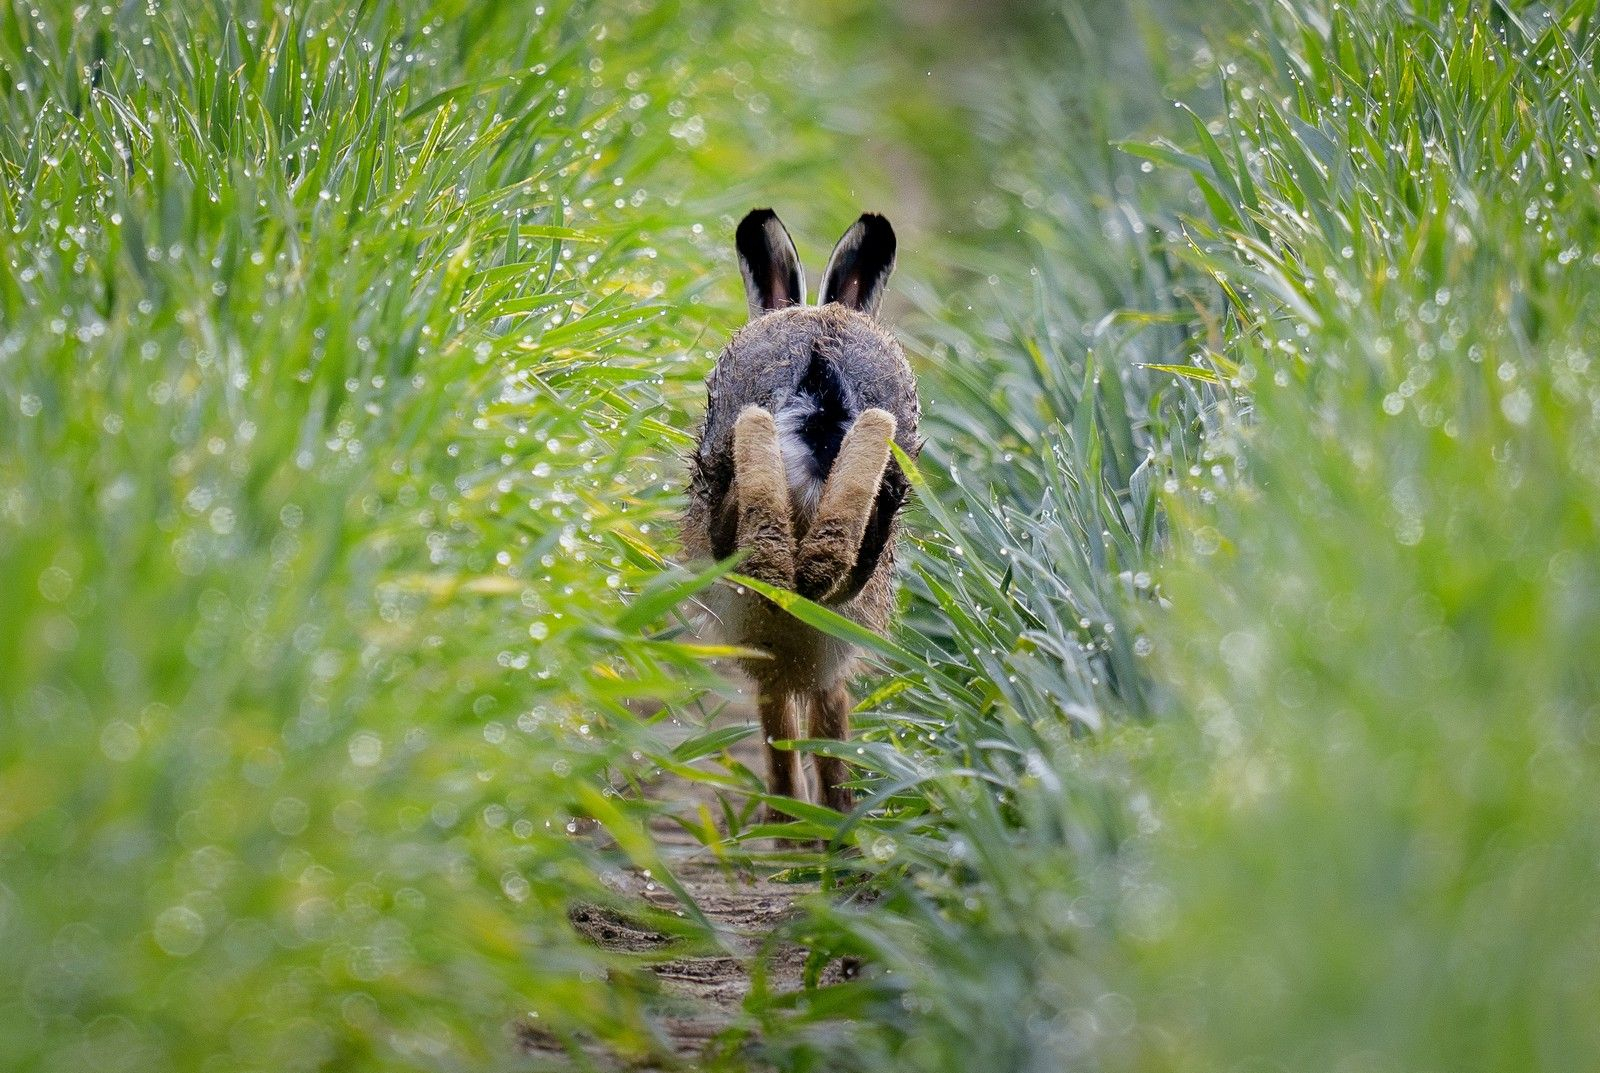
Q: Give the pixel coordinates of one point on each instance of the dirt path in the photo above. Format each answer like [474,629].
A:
[702,994]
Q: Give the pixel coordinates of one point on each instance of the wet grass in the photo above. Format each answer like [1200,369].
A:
[339,354]
[1241,711]
[1247,717]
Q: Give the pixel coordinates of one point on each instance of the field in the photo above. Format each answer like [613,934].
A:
[1243,708]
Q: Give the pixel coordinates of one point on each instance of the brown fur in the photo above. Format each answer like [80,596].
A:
[784,775]
[833,538]
[830,718]
[765,530]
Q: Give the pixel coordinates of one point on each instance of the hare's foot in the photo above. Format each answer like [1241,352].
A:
[785,776]
[831,545]
[830,720]
[761,488]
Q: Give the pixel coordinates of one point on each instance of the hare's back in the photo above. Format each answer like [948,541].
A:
[784,355]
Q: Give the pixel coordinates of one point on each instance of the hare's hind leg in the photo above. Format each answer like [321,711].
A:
[830,719]
[761,489]
[765,534]
[832,543]
[784,774]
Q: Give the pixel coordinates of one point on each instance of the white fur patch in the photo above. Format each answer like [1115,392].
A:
[805,487]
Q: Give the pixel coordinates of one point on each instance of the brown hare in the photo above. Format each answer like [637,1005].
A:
[793,468]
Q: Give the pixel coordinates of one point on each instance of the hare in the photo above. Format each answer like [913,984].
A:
[793,468]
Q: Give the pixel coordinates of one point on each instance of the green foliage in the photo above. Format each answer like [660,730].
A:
[1385,638]
[1358,834]
[1242,711]
[320,331]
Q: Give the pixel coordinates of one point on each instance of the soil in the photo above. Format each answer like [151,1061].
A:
[701,995]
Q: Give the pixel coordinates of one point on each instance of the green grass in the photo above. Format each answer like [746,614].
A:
[1385,635]
[1242,711]
[321,331]
[1356,833]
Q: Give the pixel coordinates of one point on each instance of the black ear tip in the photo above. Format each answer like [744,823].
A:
[754,222]
[760,231]
[876,228]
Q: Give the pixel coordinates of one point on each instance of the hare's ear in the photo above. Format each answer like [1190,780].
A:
[858,271]
[772,275]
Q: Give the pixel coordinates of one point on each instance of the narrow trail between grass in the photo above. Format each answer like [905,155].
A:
[701,994]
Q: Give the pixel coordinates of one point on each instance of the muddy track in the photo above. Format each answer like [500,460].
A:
[701,995]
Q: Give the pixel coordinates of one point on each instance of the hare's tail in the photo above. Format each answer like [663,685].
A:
[811,428]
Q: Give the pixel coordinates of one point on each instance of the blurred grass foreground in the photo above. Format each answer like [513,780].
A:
[1244,711]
